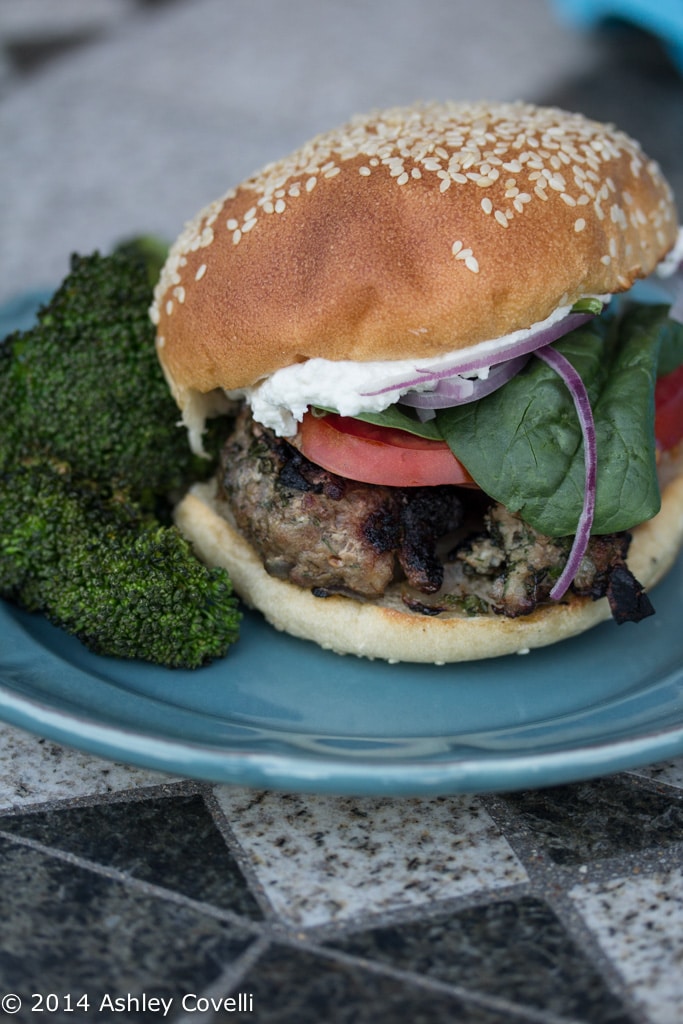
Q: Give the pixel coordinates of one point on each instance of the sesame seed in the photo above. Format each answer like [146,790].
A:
[452,147]
[169,307]
[606,260]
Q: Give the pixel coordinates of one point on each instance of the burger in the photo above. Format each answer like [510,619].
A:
[452,436]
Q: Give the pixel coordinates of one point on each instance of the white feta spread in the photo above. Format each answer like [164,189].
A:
[673,259]
[280,401]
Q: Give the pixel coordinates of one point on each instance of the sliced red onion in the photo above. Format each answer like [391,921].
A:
[459,390]
[577,389]
[514,350]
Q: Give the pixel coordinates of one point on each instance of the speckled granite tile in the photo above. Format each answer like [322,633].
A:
[67,929]
[637,921]
[516,949]
[598,819]
[295,986]
[325,858]
[171,842]
[668,772]
[33,770]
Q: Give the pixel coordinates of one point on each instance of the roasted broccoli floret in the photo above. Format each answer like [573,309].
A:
[99,566]
[85,384]
[150,249]
[91,458]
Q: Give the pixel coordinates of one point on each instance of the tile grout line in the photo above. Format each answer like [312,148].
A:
[113,874]
[264,934]
[466,995]
[577,926]
[229,981]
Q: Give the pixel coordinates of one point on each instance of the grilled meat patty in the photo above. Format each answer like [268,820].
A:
[327,533]
[451,548]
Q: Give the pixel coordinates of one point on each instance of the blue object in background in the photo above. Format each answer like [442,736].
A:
[664,18]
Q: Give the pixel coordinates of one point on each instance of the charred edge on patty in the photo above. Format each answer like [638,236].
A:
[448,552]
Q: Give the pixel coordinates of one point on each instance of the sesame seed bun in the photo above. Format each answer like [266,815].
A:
[386,629]
[407,233]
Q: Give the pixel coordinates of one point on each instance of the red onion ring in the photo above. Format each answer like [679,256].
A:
[561,365]
[461,390]
[526,346]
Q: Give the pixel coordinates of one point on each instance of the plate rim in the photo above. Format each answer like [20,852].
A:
[336,776]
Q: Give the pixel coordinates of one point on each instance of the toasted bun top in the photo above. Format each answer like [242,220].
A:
[410,232]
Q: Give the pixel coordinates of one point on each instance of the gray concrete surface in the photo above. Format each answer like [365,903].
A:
[127,117]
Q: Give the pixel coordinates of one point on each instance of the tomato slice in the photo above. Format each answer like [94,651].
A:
[669,409]
[381,455]
[378,455]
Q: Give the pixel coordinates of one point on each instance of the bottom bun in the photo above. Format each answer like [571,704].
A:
[385,628]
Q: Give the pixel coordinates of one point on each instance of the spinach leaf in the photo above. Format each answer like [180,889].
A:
[648,320]
[523,443]
[399,418]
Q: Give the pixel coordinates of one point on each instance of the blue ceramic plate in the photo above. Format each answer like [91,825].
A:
[279,712]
